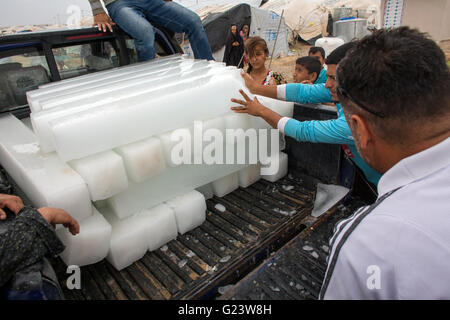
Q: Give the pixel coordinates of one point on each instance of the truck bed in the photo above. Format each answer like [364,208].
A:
[258,221]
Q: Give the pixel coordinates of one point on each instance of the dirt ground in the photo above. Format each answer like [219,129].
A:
[285,65]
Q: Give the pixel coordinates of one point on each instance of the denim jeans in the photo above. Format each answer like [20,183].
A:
[133,17]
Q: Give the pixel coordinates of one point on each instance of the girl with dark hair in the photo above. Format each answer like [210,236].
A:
[257,52]
[234,49]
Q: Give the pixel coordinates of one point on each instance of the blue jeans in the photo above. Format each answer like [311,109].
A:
[133,17]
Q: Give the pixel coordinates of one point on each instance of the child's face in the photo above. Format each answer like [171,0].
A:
[318,55]
[301,74]
[258,57]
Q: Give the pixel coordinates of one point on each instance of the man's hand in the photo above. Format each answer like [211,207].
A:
[56,216]
[13,203]
[252,107]
[103,21]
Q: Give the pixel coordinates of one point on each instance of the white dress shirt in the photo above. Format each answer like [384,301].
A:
[400,249]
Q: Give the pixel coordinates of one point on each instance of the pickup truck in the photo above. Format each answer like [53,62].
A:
[260,224]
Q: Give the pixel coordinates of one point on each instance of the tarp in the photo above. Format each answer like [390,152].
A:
[218,19]
[309,18]
[217,24]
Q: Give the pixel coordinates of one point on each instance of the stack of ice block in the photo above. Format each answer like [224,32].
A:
[103,149]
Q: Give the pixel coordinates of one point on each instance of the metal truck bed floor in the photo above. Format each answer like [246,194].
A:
[297,270]
[258,220]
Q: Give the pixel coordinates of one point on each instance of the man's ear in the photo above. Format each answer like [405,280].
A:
[362,130]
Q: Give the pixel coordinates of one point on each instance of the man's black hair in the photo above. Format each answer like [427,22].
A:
[311,64]
[317,49]
[339,53]
[400,73]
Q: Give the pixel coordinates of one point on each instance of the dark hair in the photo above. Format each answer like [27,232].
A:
[339,53]
[317,49]
[250,45]
[311,64]
[400,73]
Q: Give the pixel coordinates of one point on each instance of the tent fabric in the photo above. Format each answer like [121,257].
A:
[309,18]
[217,25]
[265,25]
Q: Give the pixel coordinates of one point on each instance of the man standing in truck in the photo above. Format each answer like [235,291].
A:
[395,92]
[133,17]
[334,131]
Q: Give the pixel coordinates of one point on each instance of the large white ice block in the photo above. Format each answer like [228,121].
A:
[280,165]
[142,159]
[126,121]
[225,185]
[249,175]
[104,174]
[128,239]
[134,82]
[103,96]
[283,108]
[34,96]
[181,140]
[161,225]
[89,246]
[45,179]
[190,210]
[166,185]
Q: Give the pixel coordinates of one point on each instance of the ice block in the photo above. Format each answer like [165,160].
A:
[166,185]
[142,159]
[126,121]
[161,225]
[90,91]
[225,185]
[249,175]
[177,146]
[34,96]
[104,174]
[103,96]
[45,179]
[128,239]
[190,210]
[281,163]
[91,245]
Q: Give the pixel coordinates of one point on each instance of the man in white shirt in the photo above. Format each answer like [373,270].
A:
[394,87]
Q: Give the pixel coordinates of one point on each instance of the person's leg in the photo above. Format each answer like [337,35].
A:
[131,18]
[180,19]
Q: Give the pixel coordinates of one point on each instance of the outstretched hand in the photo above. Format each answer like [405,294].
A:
[252,107]
[56,216]
[13,203]
[103,21]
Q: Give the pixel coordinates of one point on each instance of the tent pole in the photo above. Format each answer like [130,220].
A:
[275,43]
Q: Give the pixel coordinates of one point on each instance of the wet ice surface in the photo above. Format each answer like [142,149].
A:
[223,289]
[220,207]
[190,254]
[225,259]
[285,213]
[307,248]
[182,263]
[327,196]
[288,188]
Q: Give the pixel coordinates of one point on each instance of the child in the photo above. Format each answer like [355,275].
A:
[257,52]
[319,53]
[307,70]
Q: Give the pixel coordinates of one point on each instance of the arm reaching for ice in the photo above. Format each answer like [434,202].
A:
[255,108]
[257,88]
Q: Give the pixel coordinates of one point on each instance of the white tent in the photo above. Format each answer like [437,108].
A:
[309,18]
